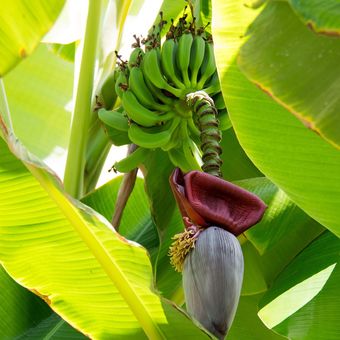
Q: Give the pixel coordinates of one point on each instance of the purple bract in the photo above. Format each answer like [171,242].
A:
[205,200]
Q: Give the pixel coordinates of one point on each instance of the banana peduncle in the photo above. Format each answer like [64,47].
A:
[205,117]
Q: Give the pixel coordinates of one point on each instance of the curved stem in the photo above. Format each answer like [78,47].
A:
[205,116]
[74,171]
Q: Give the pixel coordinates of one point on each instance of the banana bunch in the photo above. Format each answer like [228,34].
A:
[153,86]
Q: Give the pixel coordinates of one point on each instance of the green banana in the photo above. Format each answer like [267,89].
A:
[121,83]
[152,71]
[196,58]
[219,101]
[117,137]
[114,119]
[183,156]
[153,137]
[132,161]
[157,93]
[193,128]
[208,67]
[223,118]
[189,147]
[183,56]
[214,85]
[140,114]
[107,93]
[168,62]
[136,57]
[142,92]
[175,140]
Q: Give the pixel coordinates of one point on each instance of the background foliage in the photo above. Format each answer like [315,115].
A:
[66,274]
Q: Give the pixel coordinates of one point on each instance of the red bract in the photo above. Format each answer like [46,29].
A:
[207,200]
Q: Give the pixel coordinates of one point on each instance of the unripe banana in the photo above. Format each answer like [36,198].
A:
[152,71]
[208,67]
[175,139]
[196,58]
[136,57]
[168,62]
[183,156]
[117,137]
[132,161]
[141,91]
[178,159]
[107,94]
[157,93]
[213,85]
[152,137]
[140,114]
[183,56]
[121,83]
[114,119]
[212,279]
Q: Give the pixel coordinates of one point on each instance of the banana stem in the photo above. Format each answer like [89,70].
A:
[75,164]
[205,117]
[124,192]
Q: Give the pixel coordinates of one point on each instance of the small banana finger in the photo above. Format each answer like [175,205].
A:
[132,161]
[114,119]
[152,137]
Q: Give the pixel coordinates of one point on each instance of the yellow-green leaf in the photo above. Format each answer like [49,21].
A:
[67,253]
[23,24]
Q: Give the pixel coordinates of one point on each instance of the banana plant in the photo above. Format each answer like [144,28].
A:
[229,112]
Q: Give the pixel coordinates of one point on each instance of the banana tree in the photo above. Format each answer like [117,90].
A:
[229,112]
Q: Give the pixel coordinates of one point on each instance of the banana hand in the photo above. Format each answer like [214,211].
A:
[140,114]
[153,137]
[142,92]
[152,70]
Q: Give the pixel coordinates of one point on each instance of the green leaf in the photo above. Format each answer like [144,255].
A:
[282,233]
[304,301]
[16,306]
[157,170]
[68,254]
[236,165]
[297,67]
[66,52]
[322,16]
[136,223]
[247,325]
[306,167]
[23,24]
[282,221]
[53,327]
[39,93]
[295,159]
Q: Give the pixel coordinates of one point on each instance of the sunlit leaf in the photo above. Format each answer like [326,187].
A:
[39,93]
[94,278]
[23,24]
[304,301]
[299,68]
[247,325]
[136,223]
[322,16]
